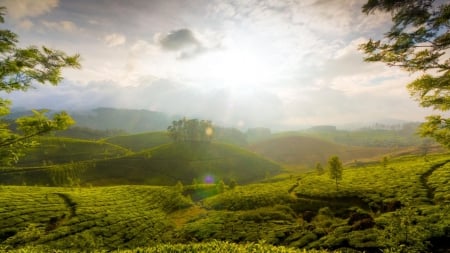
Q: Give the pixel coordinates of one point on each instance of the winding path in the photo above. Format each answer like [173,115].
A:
[424,180]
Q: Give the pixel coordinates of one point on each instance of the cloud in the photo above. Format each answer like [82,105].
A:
[61,26]
[177,39]
[114,39]
[222,105]
[19,9]
[186,44]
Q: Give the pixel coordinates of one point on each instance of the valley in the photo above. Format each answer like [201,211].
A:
[143,192]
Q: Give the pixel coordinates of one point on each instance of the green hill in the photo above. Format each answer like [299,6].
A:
[307,151]
[167,164]
[57,150]
[139,142]
[398,207]
[142,141]
[164,165]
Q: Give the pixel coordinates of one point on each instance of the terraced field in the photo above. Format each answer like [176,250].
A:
[377,207]
[73,219]
[209,247]
[378,182]
[58,150]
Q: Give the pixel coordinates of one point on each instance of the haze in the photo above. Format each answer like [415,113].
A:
[280,64]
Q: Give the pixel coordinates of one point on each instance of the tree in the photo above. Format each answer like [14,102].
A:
[319,168]
[220,186]
[179,186]
[20,69]
[418,41]
[335,169]
[384,161]
[191,130]
[233,184]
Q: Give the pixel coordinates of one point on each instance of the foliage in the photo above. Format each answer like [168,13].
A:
[439,182]
[335,169]
[87,218]
[418,42]
[251,196]
[206,247]
[20,69]
[191,130]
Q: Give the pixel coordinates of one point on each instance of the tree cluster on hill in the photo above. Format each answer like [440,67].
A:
[191,130]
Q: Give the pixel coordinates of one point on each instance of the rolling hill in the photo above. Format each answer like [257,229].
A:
[163,165]
[139,142]
[57,150]
[401,207]
[307,151]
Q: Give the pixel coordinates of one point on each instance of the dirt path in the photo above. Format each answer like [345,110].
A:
[71,205]
[424,180]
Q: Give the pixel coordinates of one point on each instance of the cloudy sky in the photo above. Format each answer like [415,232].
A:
[245,63]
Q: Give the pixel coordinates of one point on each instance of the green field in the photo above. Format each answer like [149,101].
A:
[378,206]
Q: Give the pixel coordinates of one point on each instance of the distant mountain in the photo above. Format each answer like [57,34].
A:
[129,120]
[103,118]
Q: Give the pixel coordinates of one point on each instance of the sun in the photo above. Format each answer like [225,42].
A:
[234,67]
[240,67]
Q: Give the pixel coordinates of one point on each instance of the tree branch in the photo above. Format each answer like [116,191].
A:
[7,143]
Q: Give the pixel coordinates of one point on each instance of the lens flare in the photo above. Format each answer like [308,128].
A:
[209,131]
[209,179]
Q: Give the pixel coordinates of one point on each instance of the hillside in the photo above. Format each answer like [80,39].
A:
[400,206]
[307,151]
[163,165]
[139,142]
[57,150]
[147,140]
[131,121]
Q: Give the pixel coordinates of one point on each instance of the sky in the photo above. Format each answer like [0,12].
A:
[283,64]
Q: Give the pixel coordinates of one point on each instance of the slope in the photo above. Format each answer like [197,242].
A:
[57,150]
[167,164]
[139,142]
[307,151]
[376,209]
[164,165]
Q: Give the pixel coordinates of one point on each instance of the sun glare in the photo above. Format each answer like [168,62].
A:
[235,67]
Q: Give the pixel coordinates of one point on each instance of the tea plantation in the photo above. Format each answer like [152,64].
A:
[399,206]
